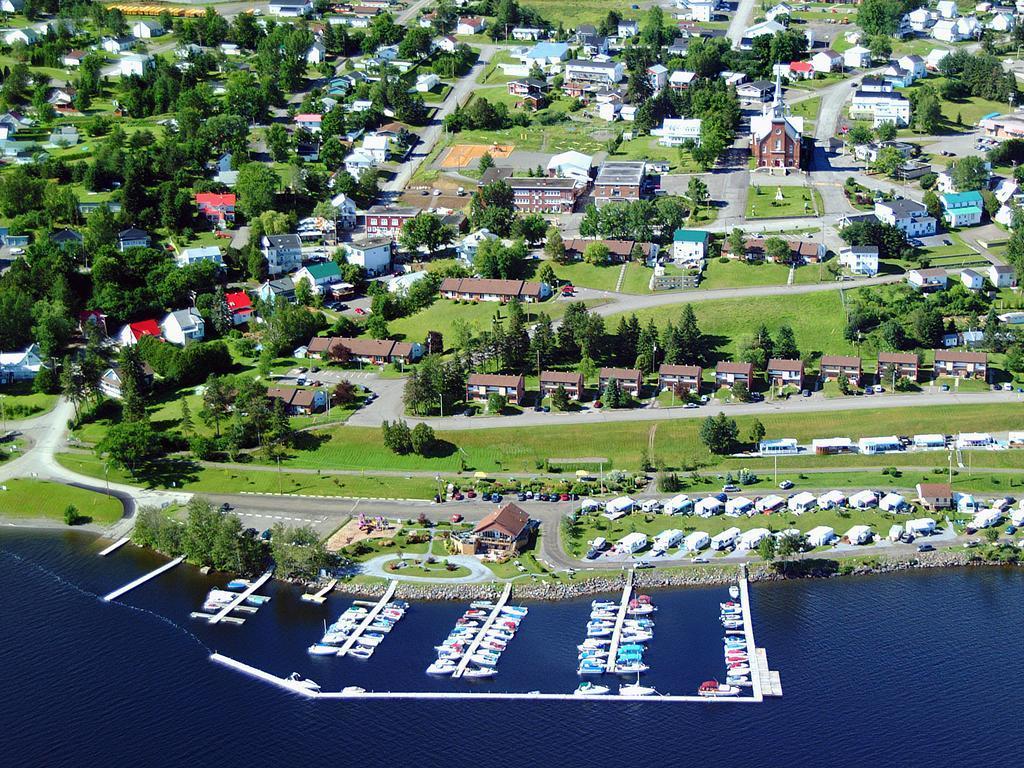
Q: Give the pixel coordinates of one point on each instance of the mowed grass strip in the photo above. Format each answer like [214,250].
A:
[24,498]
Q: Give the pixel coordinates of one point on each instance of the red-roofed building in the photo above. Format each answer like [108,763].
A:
[801,69]
[217,208]
[240,306]
[310,121]
[131,333]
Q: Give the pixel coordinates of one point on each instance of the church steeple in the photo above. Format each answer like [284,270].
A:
[778,108]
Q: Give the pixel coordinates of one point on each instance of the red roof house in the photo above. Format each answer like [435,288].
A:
[218,208]
[132,332]
[240,306]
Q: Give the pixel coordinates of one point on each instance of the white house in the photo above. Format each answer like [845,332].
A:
[856,57]
[427,82]
[859,534]
[1001,22]
[757,30]
[725,539]
[826,61]
[892,502]
[922,526]
[690,247]
[801,502]
[290,9]
[470,25]
[23,36]
[196,255]
[358,161]
[947,9]
[881,107]
[377,146]
[606,72]
[20,366]
[820,536]
[860,259]
[750,539]
[116,45]
[935,57]
[907,215]
[373,255]
[282,252]
[674,131]
[972,280]
[317,53]
[832,499]
[147,29]
[468,246]
[631,543]
[135,64]
[183,326]
[864,500]
[1002,276]
[913,64]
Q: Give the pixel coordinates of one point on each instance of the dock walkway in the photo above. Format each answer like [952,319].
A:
[764,681]
[142,580]
[368,619]
[464,661]
[115,546]
[613,650]
[219,616]
[321,594]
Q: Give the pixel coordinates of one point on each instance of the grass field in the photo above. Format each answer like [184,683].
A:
[968,110]
[737,274]
[432,571]
[35,498]
[817,319]
[808,108]
[765,205]
[20,402]
[574,14]
[648,148]
[604,278]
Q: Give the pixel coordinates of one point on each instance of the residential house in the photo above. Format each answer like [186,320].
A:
[931,279]
[144,30]
[947,9]
[913,64]
[570,381]
[240,307]
[132,332]
[387,221]
[770,28]
[73,59]
[728,373]
[135,64]
[469,245]
[1002,22]
[935,495]
[826,60]
[480,386]
[1002,276]
[309,121]
[502,534]
[290,9]
[358,161]
[64,136]
[857,57]
[950,362]
[527,33]
[629,380]
[529,87]
[484,289]
[875,85]
[783,373]
[685,377]
[935,57]
[470,25]
[902,365]
[628,28]
[800,251]
[690,247]
[973,281]
[657,74]
[132,238]
[834,366]
[598,72]
[183,326]
[757,92]
[188,256]
[344,211]
[674,132]
[860,259]
[282,289]
[881,107]
[299,401]
[67,239]
[620,181]
[907,215]
[319,276]
[962,209]
[373,255]
[701,10]
[282,252]
[25,36]
[681,80]
[618,250]
[20,366]
[112,385]
[217,208]
[589,41]
[446,43]
[540,194]
[317,53]
[377,146]
[546,55]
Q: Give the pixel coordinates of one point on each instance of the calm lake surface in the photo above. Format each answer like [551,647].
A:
[903,670]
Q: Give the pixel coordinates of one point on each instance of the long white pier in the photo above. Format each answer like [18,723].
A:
[368,619]
[219,616]
[142,580]
[464,661]
[355,694]
[764,681]
[321,594]
[115,546]
[613,650]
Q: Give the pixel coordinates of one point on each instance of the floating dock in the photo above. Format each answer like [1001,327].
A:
[115,546]
[320,595]
[142,580]
[464,661]
[355,694]
[368,619]
[237,602]
[764,681]
[627,593]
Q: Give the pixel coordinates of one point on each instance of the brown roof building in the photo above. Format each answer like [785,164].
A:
[373,351]
[570,381]
[501,533]
[951,362]
[935,495]
[485,289]
[834,366]
[728,372]
[783,372]
[618,250]
[902,364]
[800,251]
[629,379]
[685,376]
[480,386]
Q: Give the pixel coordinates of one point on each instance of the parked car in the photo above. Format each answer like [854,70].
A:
[945,387]
[806,393]
[593,554]
[496,497]
[456,518]
[643,564]
[786,485]
[925,548]
[266,535]
[691,405]
[730,488]
[361,311]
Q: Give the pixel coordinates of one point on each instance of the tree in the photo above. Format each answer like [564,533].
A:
[546,274]
[377,326]
[719,434]
[554,247]
[757,432]
[889,161]
[737,242]
[931,202]
[778,250]
[596,253]
[496,403]
[422,439]
[969,173]
[486,162]
[426,230]
[880,47]
[697,193]
[217,396]
[785,344]
[859,135]
[880,17]
[885,131]
[397,437]
[129,444]
[766,548]
[71,515]
[344,393]
[256,188]
[560,399]
[278,142]
[927,111]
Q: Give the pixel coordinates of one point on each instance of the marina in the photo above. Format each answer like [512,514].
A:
[115,546]
[142,579]
[474,645]
[627,592]
[371,615]
[235,603]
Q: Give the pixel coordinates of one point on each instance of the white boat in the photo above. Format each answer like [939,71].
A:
[360,652]
[319,649]
[630,668]
[635,689]
[518,611]
[480,672]
[593,642]
[350,689]
[740,669]
[603,604]
[486,605]
[442,667]
[298,679]
[713,689]
[591,689]
[641,610]
[369,641]
[734,592]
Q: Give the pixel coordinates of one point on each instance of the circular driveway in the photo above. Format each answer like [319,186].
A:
[478,571]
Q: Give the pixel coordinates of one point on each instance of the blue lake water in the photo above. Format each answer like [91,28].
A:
[900,670]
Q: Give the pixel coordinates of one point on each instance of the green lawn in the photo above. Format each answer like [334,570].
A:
[808,108]
[583,12]
[35,498]
[18,401]
[968,110]
[648,148]
[737,274]
[432,571]
[817,319]
[604,278]
[762,203]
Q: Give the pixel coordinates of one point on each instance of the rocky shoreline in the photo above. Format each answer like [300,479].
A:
[703,577]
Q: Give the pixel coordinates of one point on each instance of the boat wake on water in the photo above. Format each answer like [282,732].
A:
[82,591]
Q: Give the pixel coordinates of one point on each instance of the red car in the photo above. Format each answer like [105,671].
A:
[564,497]
[456,518]
[471,494]
[361,311]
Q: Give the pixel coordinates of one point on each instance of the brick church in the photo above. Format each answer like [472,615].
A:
[776,136]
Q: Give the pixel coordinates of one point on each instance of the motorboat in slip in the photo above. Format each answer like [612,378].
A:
[296,679]
[479,672]
[588,688]
[603,604]
[517,611]
[593,642]
[734,592]
[714,689]
[360,652]
[630,668]
[442,667]
[587,668]
[322,649]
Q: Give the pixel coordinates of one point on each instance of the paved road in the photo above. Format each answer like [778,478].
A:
[431,134]
[739,22]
